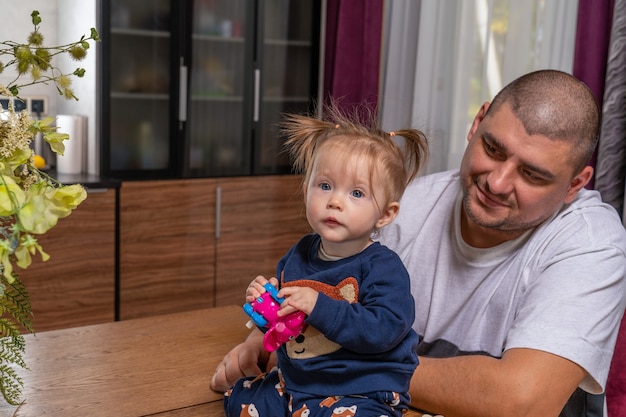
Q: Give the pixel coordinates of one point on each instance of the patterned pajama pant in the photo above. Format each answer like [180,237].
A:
[266,396]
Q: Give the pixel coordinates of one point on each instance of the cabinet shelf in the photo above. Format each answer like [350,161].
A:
[138,96]
[283,99]
[216,38]
[218,98]
[288,42]
[140,32]
[239,40]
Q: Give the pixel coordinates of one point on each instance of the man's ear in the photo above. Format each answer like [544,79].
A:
[482,112]
[388,215]
[577,183]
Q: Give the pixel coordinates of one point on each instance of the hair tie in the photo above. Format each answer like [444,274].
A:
[336,126]
[392,134]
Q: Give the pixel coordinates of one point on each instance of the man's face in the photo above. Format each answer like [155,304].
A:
[512,181]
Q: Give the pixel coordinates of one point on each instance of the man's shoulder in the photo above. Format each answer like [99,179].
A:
[432,186]
[589,209]
[437,179]
[426,206]
[586,221]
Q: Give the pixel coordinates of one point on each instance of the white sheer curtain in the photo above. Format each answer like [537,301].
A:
[443,58]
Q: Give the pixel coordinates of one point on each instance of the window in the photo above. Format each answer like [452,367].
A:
[443,58]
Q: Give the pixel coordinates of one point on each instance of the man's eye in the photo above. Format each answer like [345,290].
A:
[325,186]
[492,151]
[532,176]
[357,193]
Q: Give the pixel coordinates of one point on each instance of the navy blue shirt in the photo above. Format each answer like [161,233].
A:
[358,337]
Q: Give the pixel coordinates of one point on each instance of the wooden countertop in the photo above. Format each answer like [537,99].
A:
[90,181]
[158,366]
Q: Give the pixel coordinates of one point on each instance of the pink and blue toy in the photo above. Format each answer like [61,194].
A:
[264,313]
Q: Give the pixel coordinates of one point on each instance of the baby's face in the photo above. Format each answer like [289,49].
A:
[342,200]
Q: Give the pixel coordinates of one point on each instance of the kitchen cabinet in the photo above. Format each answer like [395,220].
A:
[76,286]
[261,218]
[167,246]
[197,243]
[184,244]
[194,88]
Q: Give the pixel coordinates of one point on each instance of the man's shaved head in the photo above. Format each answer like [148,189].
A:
[556,105]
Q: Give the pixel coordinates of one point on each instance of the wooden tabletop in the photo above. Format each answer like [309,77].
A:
[158,366]
[136,367]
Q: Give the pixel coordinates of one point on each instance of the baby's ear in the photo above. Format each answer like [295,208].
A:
[388,215]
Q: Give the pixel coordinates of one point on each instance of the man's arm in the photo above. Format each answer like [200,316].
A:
[525,382]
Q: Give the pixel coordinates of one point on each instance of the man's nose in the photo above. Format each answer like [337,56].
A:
[500,180]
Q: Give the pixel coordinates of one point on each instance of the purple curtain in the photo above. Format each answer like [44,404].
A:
[593,32]
[600,62]
[611,177]
[611,163]
[352,58]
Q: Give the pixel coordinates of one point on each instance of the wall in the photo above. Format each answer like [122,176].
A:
[63,21]
[83,11]
[17,25]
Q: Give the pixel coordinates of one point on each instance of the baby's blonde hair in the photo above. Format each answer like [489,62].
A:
[360,133]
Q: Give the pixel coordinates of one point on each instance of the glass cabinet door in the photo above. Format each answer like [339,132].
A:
[289,74]
[195,88]
[140,82]
[218,140]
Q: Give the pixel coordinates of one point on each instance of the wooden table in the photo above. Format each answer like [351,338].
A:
[158,366]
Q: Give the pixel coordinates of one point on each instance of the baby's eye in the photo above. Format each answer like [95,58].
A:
[325,186]
[357,193]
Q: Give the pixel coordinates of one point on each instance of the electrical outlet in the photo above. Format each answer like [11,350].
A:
[38,106]
[19,105]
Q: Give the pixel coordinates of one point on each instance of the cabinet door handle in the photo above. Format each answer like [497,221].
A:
[182,93]
[257,94]
[218,210]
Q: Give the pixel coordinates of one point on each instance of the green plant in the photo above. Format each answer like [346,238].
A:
[31,202]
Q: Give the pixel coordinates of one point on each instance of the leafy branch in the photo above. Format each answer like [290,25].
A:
[16,302]
[31,202]
[34,58]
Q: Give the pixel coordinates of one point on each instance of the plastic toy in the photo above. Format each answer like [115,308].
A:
[264,313]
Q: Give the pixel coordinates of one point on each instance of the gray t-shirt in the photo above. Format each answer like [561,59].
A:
[560,288]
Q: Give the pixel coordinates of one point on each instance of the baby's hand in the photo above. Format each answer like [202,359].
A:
[255,289]
[297,298]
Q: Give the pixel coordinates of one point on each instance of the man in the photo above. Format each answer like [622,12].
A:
[518,272]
